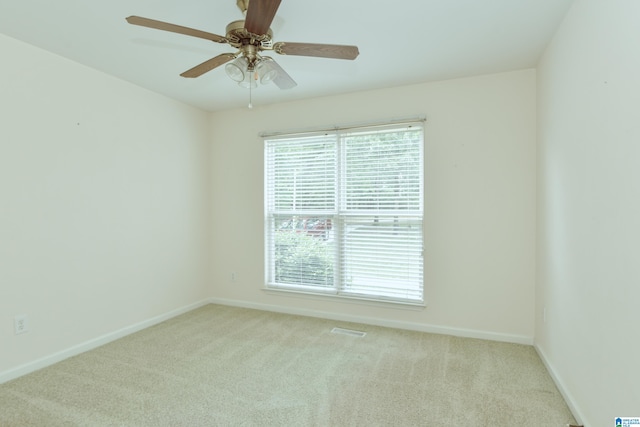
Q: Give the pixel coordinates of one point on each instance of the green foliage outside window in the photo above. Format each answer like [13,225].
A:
[302,259]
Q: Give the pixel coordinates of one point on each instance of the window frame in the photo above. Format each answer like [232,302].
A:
[340,215]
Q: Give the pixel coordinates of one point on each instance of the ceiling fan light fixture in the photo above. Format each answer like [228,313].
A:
[266,70]
[250,37]
[237,69]
[250,80]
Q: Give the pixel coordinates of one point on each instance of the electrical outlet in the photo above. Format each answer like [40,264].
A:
[233,276]
[21,324]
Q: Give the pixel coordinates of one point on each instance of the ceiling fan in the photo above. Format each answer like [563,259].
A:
[251,37]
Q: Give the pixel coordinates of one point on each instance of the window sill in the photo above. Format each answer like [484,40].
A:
[406,305]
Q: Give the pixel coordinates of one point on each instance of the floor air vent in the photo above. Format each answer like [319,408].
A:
[349,332]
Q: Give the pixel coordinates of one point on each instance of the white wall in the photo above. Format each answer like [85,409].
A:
[104,205]
[480,202]
[589,209]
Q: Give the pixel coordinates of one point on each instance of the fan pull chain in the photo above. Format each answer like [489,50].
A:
[250,101]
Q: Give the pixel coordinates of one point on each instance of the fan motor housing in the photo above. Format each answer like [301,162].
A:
[238,36]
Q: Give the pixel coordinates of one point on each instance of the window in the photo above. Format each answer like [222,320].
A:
[344,212]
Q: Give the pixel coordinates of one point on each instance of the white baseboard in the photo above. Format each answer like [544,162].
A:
[93,343]
[568,398]
[420,327]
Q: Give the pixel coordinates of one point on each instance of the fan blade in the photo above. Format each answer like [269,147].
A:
[282,80]
[337,51]
[260,15]
[209,65]
[165,26]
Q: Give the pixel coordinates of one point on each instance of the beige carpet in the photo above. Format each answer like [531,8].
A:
[224,366]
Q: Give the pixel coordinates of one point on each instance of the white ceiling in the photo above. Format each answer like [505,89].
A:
[400,42]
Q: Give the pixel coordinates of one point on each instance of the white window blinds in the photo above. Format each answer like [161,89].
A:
[344,212]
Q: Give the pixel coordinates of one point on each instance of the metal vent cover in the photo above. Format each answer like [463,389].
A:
[352,333]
